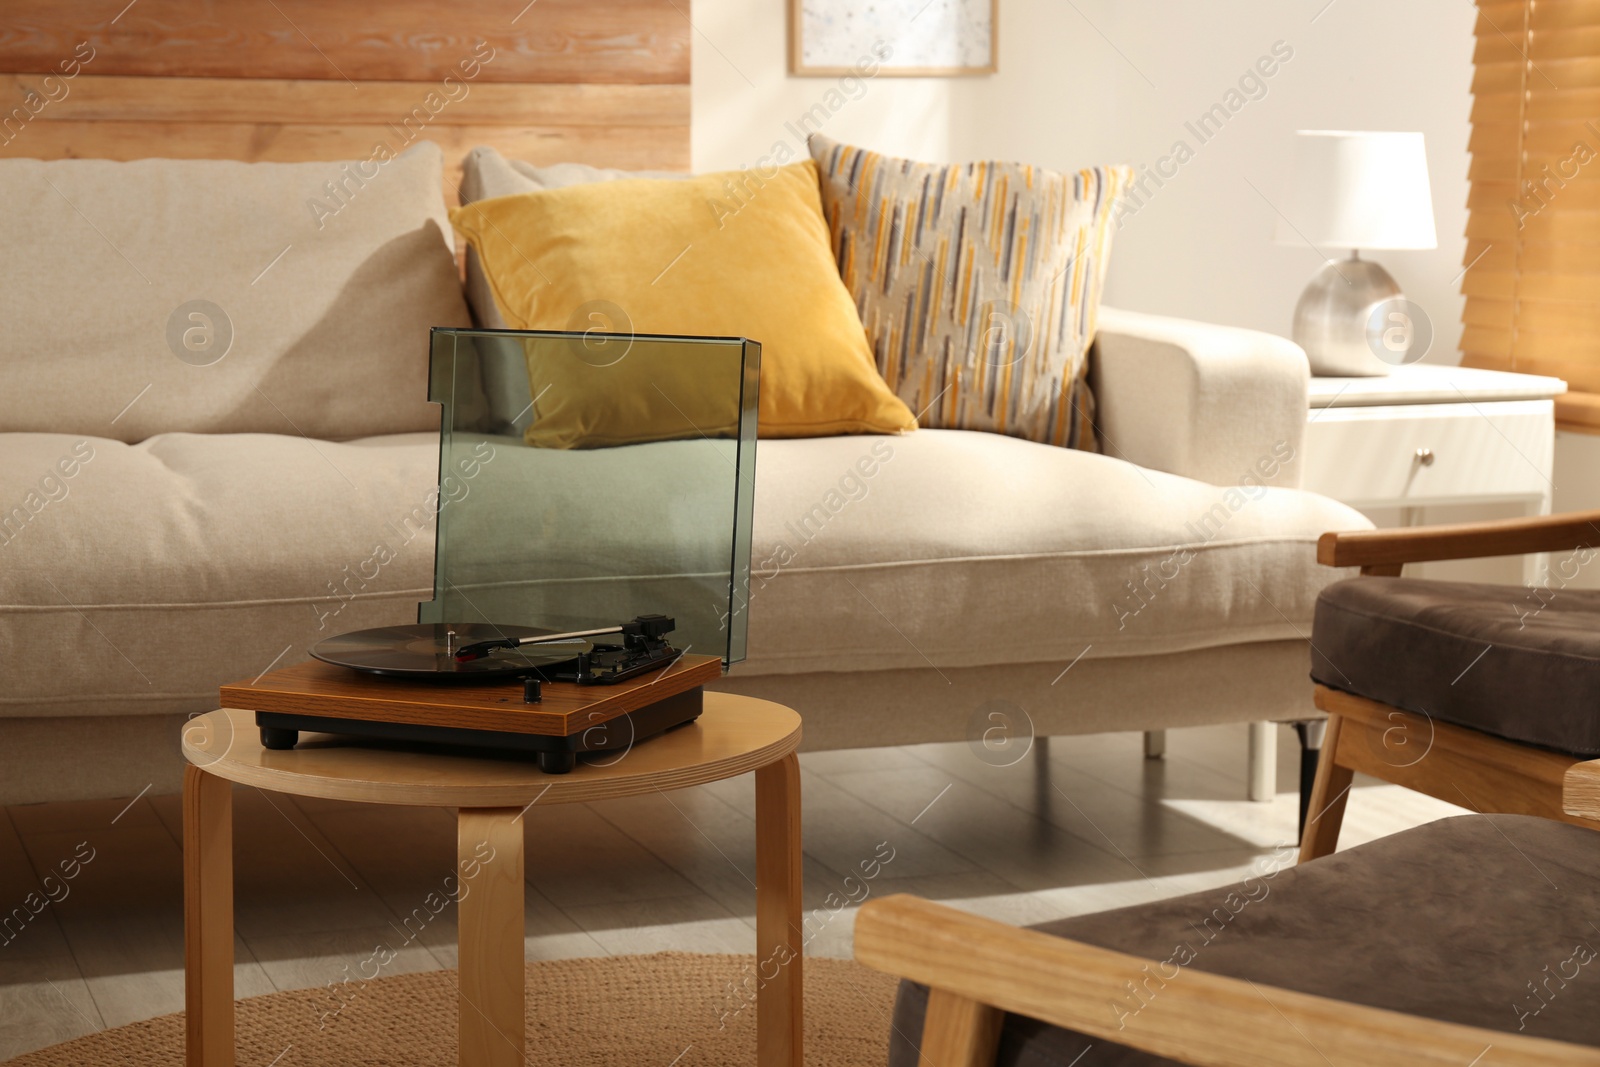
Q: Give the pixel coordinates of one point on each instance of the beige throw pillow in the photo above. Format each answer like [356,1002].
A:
[213,296]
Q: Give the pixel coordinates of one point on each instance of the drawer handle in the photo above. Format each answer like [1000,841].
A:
[1425,457]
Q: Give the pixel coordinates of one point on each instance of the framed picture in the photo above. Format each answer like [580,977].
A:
[922,38]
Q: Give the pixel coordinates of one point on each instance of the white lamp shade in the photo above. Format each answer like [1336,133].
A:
[1358,190]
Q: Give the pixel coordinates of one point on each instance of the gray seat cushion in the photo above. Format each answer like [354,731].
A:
[1449,921]
[1518,663]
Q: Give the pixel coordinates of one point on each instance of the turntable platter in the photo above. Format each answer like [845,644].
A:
[428,650]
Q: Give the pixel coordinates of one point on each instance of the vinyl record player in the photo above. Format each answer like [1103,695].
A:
[553,720]
[469,652]
[559,516]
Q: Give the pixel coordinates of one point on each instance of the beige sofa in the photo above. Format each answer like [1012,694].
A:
[186,501]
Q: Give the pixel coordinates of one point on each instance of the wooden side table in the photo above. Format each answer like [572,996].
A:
[733,735]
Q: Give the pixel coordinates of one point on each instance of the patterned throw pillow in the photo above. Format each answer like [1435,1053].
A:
[977,283]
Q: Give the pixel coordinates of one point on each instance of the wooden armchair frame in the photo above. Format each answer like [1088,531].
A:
[1459,765]
[977,969]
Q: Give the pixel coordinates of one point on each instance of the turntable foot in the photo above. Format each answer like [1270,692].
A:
[557,762]
[276,737]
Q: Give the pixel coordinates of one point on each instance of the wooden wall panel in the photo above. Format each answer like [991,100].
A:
[641,127]
[600,41]
[130,99]
[605,83]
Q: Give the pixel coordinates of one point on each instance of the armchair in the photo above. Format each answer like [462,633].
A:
[1403,670]
[1356,958]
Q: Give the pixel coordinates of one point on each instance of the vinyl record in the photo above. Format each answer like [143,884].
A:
[427,651]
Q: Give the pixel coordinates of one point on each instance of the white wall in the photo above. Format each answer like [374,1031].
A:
[1577,488]
[744,99]
[1102,81]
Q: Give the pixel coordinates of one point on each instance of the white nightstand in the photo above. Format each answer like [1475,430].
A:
[1429,436]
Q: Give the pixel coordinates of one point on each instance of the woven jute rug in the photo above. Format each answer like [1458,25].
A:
[669,1008]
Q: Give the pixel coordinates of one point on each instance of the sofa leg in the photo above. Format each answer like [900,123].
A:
[1041,774]
[1263,761]
[1155,744]
[1312,732]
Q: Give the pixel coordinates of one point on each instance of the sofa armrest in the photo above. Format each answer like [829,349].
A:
[1218,404]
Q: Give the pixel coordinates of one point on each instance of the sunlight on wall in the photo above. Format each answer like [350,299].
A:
[747,108]
[1103,82]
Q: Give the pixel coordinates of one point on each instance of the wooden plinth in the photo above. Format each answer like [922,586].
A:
[324,690]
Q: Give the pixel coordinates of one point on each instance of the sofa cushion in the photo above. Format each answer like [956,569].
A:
[1519,663]
[873,553]
[486,174]
[162,296]
[155,572]
[1460,920]
[957,548]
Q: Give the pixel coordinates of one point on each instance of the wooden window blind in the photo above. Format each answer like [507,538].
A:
[1532,263]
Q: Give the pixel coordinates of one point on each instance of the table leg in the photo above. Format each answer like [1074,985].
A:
[207,919]
[779,935]
[492,1025]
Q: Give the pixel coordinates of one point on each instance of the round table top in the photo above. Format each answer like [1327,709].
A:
[733,735]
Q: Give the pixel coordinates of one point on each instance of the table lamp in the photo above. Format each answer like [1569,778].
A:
[1356,190]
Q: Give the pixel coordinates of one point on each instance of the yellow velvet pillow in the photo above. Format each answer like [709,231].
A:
[604,392]
[741,254]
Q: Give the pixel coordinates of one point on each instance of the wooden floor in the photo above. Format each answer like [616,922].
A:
[321,884]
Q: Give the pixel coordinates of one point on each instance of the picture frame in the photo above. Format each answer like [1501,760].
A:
[956,38]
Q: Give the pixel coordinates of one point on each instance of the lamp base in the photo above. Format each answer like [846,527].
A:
[1330,321]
